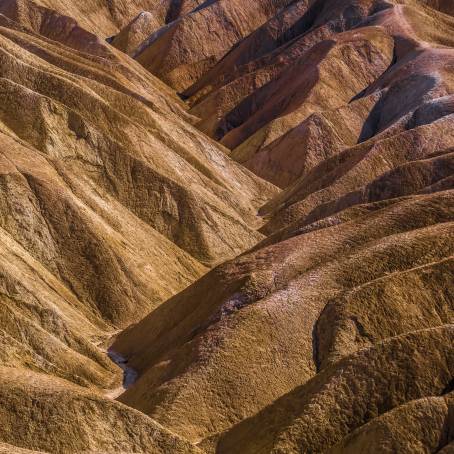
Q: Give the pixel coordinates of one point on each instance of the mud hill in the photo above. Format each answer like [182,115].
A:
[248,206]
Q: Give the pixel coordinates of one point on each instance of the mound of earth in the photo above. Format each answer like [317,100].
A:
[227,226]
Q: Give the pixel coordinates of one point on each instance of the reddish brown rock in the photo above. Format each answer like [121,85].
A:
[181,52]
[315,318]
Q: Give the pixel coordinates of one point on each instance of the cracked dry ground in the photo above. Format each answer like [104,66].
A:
[250,204]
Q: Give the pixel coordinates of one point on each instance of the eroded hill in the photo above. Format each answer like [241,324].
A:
[249,203]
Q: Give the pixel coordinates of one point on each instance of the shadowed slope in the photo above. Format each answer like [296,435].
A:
[333,333]
[361,387]
[102,17]
[110,203]
[181,52]
[355,125]
[107,426]
[136,35]
[252,321]
[259,101]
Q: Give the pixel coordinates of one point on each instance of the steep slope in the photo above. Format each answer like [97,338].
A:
[348,107]
[137,33]
[32,400]
[260,97]
[386,384]
[185,49]
[317,317]
[110,203]
[249,334]
[101,17]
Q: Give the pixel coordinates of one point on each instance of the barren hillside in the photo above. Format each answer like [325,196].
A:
[227,226]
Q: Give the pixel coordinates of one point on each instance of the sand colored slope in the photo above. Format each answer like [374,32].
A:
[255,324]
[317,317]
[101,17]
[103,182]
[106,426]
[181,52]
[327,397]
[137,34]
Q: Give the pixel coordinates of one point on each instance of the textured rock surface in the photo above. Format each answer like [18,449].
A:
[293,80]
[272,319]
[102,425]
[102,17]
[292,293]
[110,203]
[136,36]
[185,49]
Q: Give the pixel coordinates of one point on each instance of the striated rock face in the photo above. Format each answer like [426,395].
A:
[110,203]
[107,426]
[268,254]
[137,35]
[309,71]
[185,49]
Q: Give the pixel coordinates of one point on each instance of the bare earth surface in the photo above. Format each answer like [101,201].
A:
[227,226]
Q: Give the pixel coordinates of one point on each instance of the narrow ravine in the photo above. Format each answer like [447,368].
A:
[129,374]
